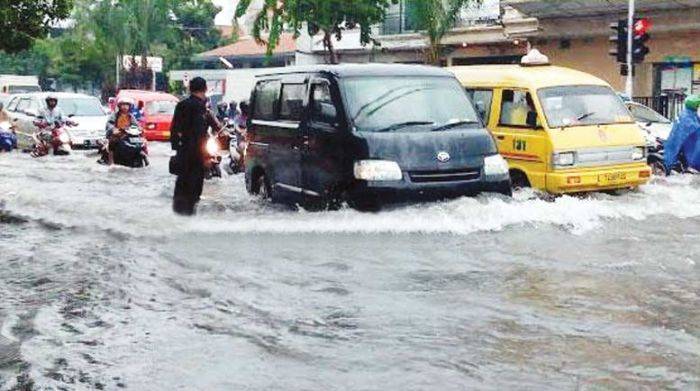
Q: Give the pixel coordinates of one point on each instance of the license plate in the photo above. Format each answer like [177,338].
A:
[135,140]
[612,178]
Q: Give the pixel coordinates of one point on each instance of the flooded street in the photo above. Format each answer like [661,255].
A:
[103,287]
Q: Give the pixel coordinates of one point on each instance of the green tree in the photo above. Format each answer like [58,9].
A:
[328,17]
[23,21]
[435,18]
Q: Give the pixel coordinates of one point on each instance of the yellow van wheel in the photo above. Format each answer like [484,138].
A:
[519,180]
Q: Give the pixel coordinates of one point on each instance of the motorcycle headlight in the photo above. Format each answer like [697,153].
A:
[564,159]
[377,170]
[639,153]
[64,138]
[212,146]
[495,166]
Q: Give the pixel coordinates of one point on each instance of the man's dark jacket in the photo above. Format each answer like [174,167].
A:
[188,132]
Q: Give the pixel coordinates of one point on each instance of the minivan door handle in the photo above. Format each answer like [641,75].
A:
[501,137]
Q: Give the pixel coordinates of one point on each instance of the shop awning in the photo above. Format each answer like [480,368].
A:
[575,8]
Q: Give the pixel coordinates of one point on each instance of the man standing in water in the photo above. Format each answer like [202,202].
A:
[188,136]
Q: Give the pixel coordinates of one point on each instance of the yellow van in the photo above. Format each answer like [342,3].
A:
[561,130]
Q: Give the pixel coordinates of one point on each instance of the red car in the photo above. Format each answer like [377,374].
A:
[157,110]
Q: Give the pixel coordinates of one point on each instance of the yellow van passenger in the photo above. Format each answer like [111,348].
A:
[561,130]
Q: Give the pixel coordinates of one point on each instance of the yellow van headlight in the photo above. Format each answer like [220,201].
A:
[564,159]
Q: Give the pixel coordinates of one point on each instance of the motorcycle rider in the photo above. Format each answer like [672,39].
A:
[8,138]
[221,111]
[52,113]
[117,124]
[685,137]
[4,115]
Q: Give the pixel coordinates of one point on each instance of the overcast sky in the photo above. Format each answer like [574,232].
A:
[226,15]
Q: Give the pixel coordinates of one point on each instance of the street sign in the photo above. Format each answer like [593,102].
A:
[154,63]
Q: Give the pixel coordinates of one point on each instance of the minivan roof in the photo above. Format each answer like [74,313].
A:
[352,70]
[518,76]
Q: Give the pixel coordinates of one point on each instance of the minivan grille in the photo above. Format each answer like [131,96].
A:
[444,176]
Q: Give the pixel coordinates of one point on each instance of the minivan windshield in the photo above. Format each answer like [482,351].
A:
[418,103]
[582,106]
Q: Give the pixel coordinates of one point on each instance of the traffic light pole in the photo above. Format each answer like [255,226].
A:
[629,86]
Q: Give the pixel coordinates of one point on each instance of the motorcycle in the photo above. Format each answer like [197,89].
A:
[131,150]
[213,149]
[51,137]
[236,148]
[8,138]
[655,159]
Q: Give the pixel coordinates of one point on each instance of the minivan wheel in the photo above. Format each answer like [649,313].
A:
[262,187]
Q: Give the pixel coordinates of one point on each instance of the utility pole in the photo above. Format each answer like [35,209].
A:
[629,87]
[117,69]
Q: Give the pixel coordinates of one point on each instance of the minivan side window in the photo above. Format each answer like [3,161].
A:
[322,107]
[518,110]
[266,98]
[482,101]
[292,102]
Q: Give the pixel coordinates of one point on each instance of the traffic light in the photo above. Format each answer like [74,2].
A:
[619,41]
[640,36]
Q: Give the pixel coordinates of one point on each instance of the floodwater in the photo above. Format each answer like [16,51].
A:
[102,287]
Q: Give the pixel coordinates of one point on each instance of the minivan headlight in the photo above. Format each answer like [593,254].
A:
[563,159]
[495,166]
[377,170]
[639,153]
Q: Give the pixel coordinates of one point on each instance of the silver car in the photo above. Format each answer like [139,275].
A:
[83,109]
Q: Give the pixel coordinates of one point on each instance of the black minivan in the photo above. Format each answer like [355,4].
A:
[368,134]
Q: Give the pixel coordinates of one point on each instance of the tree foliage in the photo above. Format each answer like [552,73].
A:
[328,17]
[435,18]
[87,52]
[23,21]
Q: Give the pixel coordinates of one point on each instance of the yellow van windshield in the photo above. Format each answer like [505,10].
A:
[569,106]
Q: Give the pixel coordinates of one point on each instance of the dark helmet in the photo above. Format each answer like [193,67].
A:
[222,107]
[243,106]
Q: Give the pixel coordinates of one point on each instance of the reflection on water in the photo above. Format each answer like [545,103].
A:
[103,287]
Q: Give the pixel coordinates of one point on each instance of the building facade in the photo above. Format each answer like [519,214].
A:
[576,33]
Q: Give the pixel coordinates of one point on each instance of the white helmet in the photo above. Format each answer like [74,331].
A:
[126,101]
[51,97]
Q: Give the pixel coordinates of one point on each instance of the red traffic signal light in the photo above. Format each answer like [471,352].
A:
[641,26]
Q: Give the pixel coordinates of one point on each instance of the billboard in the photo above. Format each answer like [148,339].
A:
[486,11]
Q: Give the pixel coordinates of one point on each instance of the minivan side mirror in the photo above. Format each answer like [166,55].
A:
[30,113]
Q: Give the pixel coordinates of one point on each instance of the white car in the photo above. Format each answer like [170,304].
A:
[86,110]
[654,125]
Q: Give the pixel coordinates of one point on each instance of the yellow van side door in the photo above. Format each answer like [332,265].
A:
[517,125]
